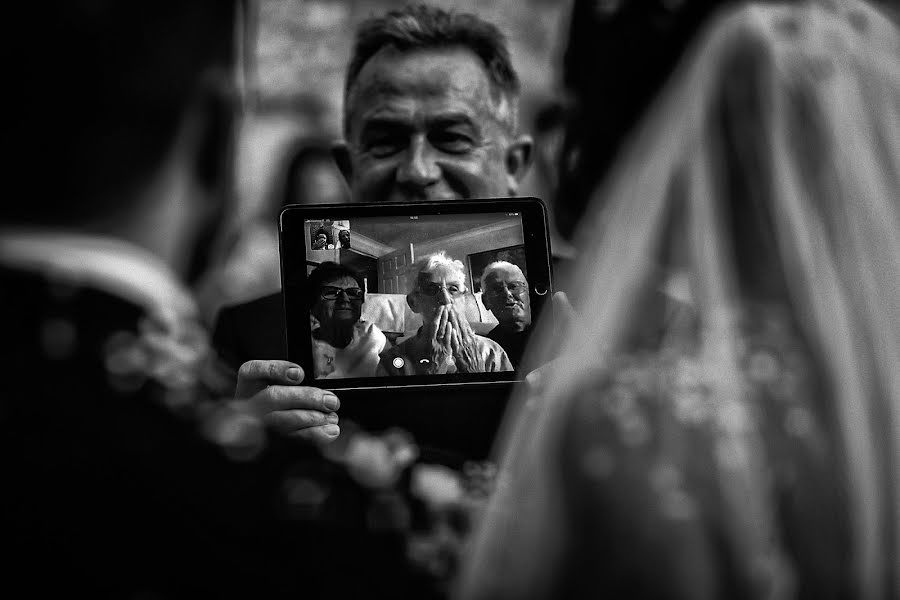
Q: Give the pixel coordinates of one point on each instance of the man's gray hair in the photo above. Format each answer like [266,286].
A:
[430,262]
[498,266]
[428,27]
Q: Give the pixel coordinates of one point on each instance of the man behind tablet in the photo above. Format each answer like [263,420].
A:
[430,114]
[445,343]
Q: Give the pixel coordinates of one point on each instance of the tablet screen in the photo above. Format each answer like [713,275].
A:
[417,297]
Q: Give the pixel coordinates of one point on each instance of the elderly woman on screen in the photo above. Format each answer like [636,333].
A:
[343,345]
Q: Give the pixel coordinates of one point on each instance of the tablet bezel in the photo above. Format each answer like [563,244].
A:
[293,252]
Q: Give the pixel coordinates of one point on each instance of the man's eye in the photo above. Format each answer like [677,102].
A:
[384,146]
[450,141]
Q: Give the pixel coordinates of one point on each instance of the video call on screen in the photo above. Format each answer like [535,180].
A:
[385,278]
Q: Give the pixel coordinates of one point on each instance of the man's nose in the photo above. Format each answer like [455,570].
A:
[419,167]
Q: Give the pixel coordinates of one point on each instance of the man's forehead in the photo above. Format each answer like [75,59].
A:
[442,272]
[398,85]
[505,274]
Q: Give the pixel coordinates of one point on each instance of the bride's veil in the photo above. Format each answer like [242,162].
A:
[783,121]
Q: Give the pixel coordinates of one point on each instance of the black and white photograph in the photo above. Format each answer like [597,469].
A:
[678,378]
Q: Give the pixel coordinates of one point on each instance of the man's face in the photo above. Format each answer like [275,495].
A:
[423,126]
[341,308]
[505,294]
[441,286]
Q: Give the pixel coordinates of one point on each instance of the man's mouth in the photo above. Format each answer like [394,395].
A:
[425,195]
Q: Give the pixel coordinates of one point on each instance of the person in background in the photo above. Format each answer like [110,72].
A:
[446,124]
[320,241]
[343,345]
[344,238]
[430,113]
[445,343]
[751,450]
[504,292]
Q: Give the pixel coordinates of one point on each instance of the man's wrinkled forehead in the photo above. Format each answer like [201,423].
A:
[447,273]
[393,84]
[513,273]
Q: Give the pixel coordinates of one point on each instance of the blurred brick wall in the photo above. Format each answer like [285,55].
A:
[294,78]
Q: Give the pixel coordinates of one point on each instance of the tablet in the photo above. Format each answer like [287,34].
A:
[413,294]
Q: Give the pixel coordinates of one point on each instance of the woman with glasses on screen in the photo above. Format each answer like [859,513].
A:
[445,343]
[343,345]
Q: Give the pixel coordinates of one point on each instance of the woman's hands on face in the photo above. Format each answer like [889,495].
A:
[440,332]
[465,349]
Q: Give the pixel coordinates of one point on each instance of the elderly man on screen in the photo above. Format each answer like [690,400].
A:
[504,292]
[445,343]
[343,345]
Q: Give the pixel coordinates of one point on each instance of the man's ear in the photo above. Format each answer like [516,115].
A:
[341,154]
[412,302]
[518,160]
